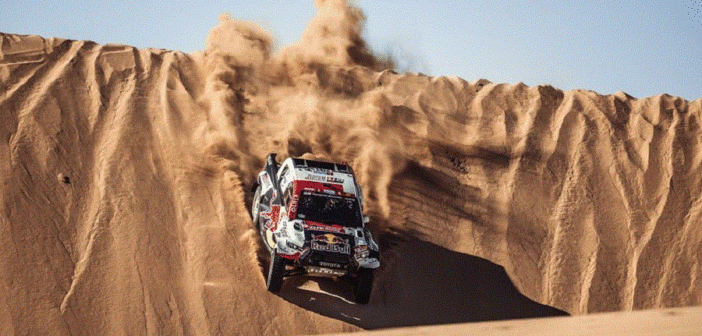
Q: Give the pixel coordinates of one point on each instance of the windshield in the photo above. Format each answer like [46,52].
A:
[329,209]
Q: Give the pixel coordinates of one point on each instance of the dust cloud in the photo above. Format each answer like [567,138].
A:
[304,100]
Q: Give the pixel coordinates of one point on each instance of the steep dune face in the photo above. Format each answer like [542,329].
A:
[145,234]
[123,205]
[591,202]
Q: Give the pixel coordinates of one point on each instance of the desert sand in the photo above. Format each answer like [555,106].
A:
[126,177]
[671,321]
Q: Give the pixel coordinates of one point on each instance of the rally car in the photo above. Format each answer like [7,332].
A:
[310,216]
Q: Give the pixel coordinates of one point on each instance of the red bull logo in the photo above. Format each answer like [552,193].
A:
[330,243]
[270,218]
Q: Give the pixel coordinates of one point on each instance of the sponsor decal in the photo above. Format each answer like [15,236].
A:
[332,179]
[322,270]
[321,227]
[313,177]
[271,218]
[293,206]
[329,264]
[330,243]
[284,230]
[294,256]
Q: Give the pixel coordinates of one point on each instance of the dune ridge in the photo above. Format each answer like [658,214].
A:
[126,175]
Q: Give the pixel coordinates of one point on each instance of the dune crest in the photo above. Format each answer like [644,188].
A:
[126,176]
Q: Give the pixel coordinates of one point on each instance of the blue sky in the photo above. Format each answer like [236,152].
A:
[643,48]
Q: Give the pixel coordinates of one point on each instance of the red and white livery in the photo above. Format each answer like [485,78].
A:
[310,216]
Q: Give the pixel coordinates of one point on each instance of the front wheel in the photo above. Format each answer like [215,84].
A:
[364,285]
[276,273]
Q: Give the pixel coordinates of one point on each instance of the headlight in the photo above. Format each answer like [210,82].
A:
[361,252]
[293,246]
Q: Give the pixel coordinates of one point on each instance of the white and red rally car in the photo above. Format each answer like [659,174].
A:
[310,215]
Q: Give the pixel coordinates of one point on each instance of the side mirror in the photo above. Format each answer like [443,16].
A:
[365,219]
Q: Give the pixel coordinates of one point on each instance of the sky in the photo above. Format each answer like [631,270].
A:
[643,48]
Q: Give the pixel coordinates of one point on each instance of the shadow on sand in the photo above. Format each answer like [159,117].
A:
[427,285]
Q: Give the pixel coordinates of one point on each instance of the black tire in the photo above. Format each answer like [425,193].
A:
[276,273]
[255,207]
[364,285]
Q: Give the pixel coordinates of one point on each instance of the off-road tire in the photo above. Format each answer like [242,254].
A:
[363,285]
[276,273]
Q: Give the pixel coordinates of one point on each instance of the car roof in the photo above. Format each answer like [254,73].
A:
[323,172]
[337,167]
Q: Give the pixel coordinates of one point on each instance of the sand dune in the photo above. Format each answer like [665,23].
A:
[126,175]
[673,321]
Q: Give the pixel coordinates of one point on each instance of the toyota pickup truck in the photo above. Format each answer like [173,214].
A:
[310,217]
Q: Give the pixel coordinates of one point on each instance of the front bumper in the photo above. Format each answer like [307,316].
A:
[324,271]
[330,260]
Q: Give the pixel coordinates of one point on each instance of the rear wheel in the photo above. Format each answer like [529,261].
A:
[255,206]
[364,285]
[276,273]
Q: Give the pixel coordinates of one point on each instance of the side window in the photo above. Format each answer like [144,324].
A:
[282,178]
[282,173]
[287,196]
